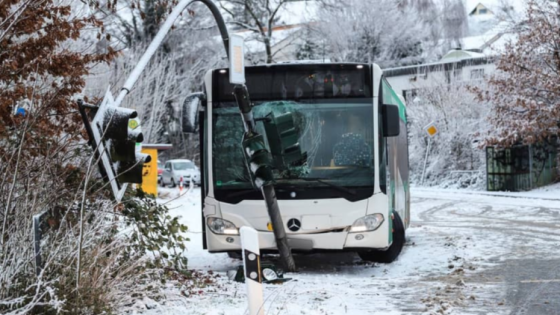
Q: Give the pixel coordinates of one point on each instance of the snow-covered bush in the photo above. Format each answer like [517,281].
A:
[90,263]
[455,158]
[155,232]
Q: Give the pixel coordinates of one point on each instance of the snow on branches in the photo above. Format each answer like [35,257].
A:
[455,159]
[386,32]
[525,91]
[39,71]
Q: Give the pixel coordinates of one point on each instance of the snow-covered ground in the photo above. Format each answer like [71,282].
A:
[550,192]
[453,262]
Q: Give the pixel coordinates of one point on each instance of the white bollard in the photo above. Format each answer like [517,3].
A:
[252,269]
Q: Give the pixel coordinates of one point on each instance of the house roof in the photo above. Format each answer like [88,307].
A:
[456,55]
[444,65]
[494,5]
[474,8]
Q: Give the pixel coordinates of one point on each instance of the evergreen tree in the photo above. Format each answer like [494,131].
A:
[309,49]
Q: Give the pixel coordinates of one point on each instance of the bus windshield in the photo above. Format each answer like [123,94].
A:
[336,133]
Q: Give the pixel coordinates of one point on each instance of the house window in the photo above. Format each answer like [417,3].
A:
[423,72]
[477,74]
[482,11]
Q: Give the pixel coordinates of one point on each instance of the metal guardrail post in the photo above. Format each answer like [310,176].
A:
[37,236]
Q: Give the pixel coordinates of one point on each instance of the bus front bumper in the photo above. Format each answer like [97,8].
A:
[377,239]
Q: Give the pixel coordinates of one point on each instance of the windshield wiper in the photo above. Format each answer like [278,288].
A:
[337,187]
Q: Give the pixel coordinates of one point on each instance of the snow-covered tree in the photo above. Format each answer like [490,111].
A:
[131,22]
[386,32]
[43,67]
[454,22]
[525,92]
[260,17]
[310,49]
[455,157]
[88,265]
[190,49]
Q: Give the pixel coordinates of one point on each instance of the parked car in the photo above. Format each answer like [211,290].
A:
[175,169]
[159,171]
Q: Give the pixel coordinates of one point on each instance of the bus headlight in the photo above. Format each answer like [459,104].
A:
[367,224]
[221,226]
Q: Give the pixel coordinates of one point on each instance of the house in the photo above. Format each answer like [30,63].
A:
[480,9]
[488,8]
[457,65]
[473,60]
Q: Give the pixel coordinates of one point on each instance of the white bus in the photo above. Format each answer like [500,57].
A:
[353,192]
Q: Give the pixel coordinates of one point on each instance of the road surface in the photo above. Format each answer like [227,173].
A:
[466,253]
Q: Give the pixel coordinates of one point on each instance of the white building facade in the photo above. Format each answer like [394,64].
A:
[406,81]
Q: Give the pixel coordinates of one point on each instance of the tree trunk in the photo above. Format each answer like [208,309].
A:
[268,50]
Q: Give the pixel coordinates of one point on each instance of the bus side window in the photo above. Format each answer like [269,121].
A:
[382,148]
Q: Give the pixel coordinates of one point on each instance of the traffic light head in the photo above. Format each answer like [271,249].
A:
[130,171]
[120,130]
[257,159]
[115,135]
[283,139]
[116,121]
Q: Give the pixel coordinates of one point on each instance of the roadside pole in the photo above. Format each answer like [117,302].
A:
[431,130]
[252,269]
[37,236]
[426,159]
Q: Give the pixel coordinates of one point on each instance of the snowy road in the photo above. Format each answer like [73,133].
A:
[466,253]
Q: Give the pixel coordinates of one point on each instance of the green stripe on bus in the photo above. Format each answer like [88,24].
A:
[390,97]
[402,107]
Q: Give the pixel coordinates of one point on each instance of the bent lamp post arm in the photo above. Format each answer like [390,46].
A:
[267,190]
[150,51]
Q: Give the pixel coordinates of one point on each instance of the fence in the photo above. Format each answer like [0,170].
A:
[521,167]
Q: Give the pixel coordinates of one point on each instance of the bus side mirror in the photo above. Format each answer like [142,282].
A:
[391,120]
[190,112]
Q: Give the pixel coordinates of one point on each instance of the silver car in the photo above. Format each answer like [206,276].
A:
[174,170]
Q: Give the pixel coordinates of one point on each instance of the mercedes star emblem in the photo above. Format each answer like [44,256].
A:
[294,225]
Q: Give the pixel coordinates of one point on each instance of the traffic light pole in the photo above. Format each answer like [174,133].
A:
[267,188]
[244,107]
[284,249]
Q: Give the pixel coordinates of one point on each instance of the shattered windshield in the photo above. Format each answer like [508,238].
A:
[337,136]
